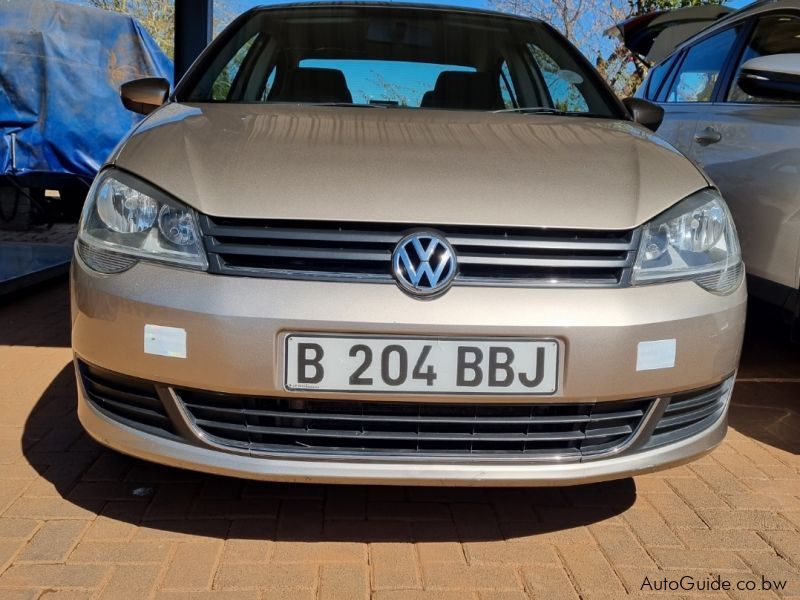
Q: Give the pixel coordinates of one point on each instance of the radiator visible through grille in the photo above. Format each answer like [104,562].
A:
[330,427]
[324,250]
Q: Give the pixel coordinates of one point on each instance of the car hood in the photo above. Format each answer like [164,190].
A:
[408,166]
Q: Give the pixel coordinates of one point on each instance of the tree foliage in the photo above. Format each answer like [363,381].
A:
[583,22]
[157,16]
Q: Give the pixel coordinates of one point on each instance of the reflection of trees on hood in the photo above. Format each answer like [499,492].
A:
[583,22]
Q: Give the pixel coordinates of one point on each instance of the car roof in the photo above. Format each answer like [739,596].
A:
[398,6]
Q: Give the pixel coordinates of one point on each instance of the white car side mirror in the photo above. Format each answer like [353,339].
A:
[774,77]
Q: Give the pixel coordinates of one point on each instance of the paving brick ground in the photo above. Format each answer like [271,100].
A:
[80,521]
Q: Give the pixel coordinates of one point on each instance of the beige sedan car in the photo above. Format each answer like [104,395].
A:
[403,244]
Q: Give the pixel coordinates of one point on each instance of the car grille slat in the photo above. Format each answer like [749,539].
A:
[299,432]
[349,251]
[608,432]
[137,413]
[695,402]
[599,417]
[294,252]
[404,419]
[128,397]
[267,424]
[539,243]
[306,235]
[133,402]
[688,417]
[524,261]
[690,413]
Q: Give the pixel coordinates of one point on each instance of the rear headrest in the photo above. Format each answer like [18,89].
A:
[308,84]
[427,99]
[464,90]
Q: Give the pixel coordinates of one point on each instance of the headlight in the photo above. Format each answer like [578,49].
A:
[696,240]
[125,220]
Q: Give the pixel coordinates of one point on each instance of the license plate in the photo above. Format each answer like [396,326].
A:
[421,365]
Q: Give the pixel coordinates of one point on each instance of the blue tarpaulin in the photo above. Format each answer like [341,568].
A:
[61,66]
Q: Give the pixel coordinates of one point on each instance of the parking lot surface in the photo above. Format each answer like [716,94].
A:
[80,521]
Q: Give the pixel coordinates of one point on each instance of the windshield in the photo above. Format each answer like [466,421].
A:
[397,57]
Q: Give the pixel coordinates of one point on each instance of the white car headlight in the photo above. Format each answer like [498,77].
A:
[696,240]
[125,220]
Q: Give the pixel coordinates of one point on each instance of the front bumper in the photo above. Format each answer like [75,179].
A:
[235,327]
[177,454]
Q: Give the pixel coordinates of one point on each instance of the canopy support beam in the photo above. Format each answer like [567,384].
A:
[194,21]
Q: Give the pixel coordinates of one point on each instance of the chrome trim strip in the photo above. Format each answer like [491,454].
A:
[557,263]
[460,280]
[285,232]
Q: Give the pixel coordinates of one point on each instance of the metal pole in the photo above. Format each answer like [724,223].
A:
[194,20]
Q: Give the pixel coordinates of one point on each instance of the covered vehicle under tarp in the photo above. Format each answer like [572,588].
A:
[61,67]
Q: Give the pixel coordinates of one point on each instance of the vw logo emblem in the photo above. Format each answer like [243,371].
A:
[424,264]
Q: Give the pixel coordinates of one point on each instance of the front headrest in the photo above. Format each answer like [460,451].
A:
[311,84]
[465,90]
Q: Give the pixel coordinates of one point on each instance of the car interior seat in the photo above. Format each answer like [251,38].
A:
[307,84]
[467,91]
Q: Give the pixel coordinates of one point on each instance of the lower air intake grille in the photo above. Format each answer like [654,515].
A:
[389,428]
[690,413]
[130,401]
[258,424]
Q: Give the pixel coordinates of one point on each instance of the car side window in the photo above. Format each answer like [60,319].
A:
[506,87]
[774,34]
[657,76]
[701,67]
[562,84]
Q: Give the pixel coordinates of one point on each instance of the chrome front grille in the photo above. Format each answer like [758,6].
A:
[264,424]
[324,250]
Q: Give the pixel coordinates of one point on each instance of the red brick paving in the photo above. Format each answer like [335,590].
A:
[80,521]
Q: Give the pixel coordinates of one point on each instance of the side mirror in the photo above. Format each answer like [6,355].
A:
[145,95]
[645,113]
[774,77]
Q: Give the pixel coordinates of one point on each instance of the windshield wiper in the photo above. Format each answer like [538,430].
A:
[546,110]
[524,110]
[346,104]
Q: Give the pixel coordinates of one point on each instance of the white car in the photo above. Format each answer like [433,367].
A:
[731,96]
